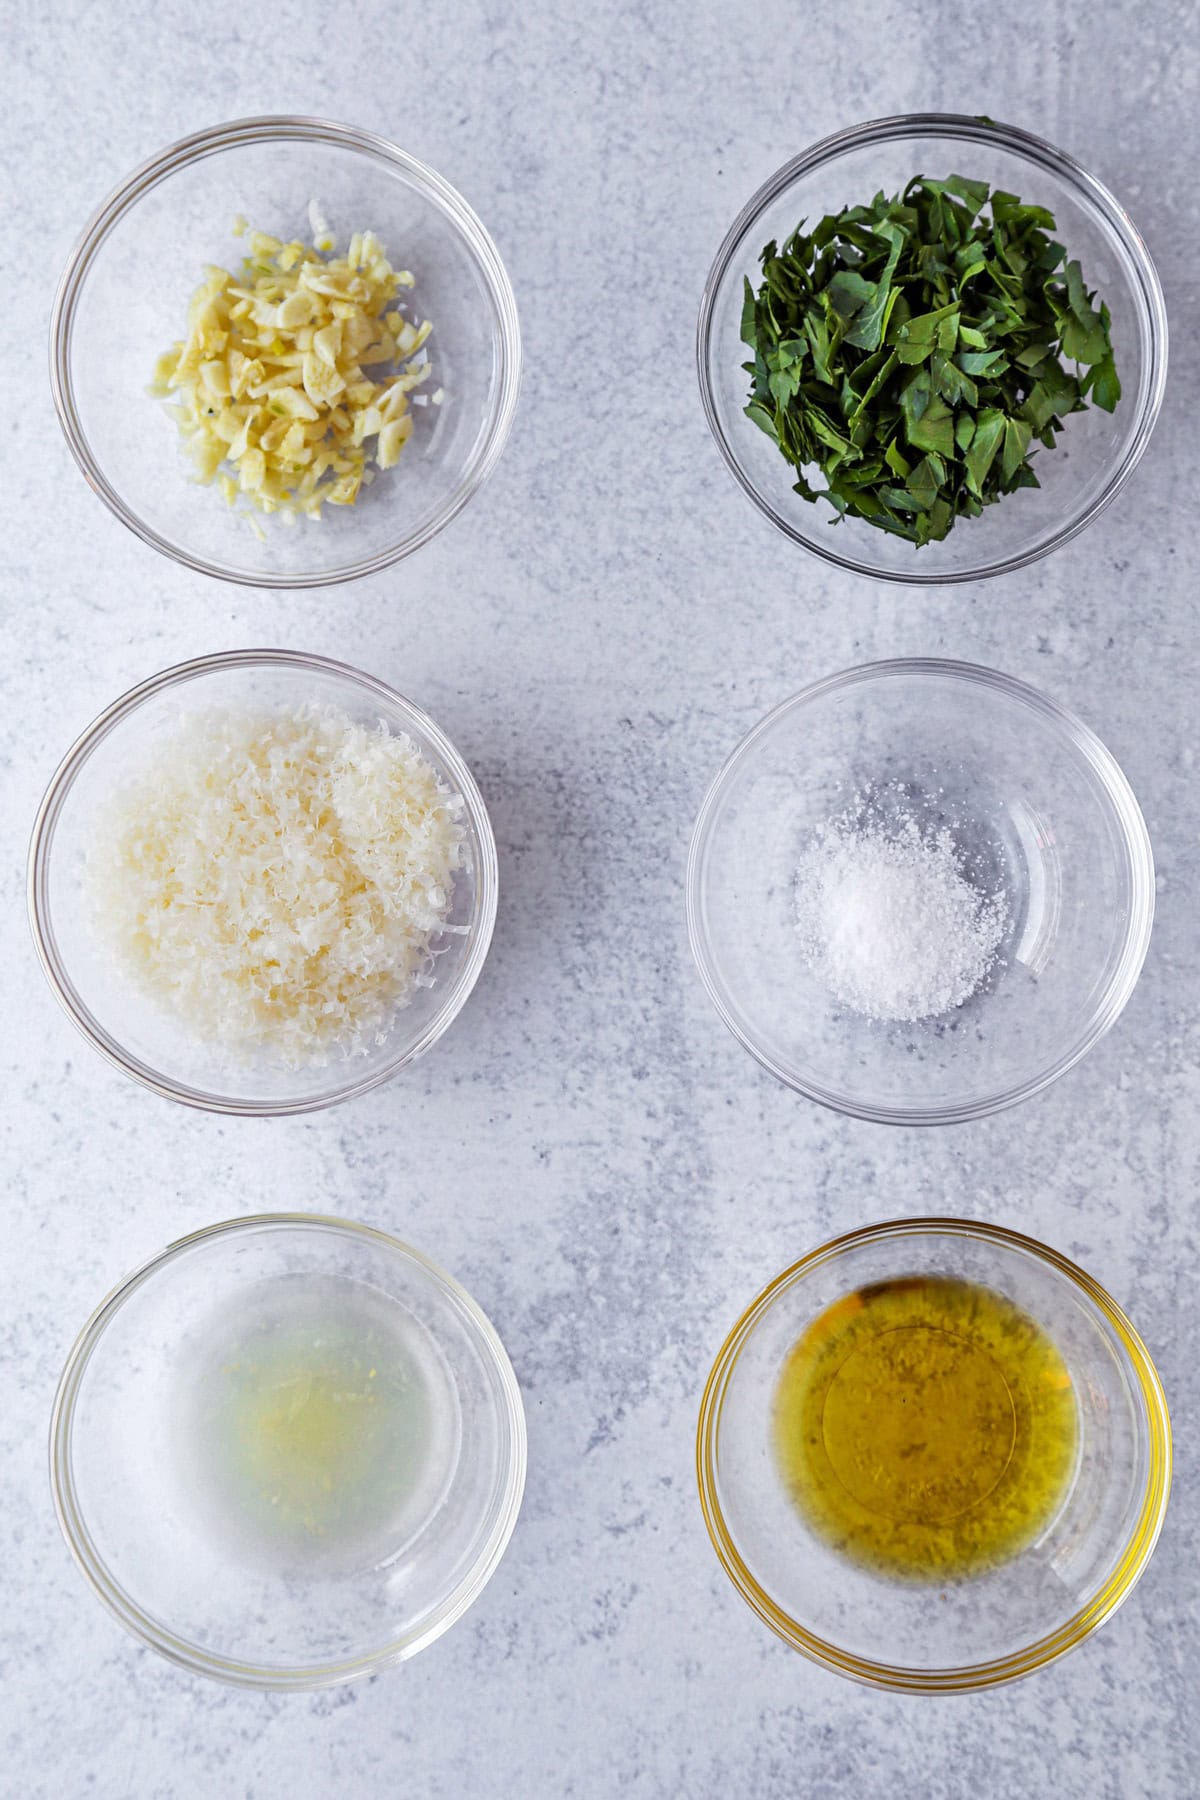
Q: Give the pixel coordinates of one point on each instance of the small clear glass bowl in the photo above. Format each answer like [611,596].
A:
[982,1629]
[1030,796]
[144,1040]
[1097,451]
[123,300]
[125,1496]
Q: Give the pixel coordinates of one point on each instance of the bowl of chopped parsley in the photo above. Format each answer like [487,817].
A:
[932,348]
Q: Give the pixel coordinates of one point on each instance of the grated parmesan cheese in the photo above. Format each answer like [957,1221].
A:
[278,879]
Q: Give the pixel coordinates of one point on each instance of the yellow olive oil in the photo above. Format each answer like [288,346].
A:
[318,1423]
[926,1427]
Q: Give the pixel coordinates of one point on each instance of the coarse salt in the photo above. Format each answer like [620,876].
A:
[889,921]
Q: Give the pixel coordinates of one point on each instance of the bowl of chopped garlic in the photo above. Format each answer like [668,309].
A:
[920,891]
[285,353]
[262,882]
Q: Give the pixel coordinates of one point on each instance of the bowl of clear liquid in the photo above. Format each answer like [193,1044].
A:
[288,1451]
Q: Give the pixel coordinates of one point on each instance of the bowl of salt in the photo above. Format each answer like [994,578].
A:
[919,891]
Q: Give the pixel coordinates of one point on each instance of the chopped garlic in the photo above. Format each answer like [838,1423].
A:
[318,224]
[287,344]
[277,880]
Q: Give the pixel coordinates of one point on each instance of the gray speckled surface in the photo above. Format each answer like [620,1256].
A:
[589,1149]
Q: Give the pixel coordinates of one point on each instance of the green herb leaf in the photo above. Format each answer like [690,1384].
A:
[925,482]
[872,321]
[916,338]
[848,293]
[1103,384]
[912,351]
[749,327]
[934,429]
[989,429]
[1017,433]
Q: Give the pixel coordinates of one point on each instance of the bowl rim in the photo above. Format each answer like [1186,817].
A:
[283,128]
[1016,141]
[1087,1619]
[154,1633]
[41,913]
[1135,840]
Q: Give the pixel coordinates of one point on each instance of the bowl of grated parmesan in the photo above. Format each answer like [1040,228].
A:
[285,352]
[262,882]
[919,891]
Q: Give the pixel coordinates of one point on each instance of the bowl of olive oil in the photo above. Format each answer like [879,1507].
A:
[288,1451]
[934,1455]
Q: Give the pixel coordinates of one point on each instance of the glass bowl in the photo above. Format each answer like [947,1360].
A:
[977,1631]
[123,300]
[133,1032]
[171,1555]
[1029,795]
[1097,451]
